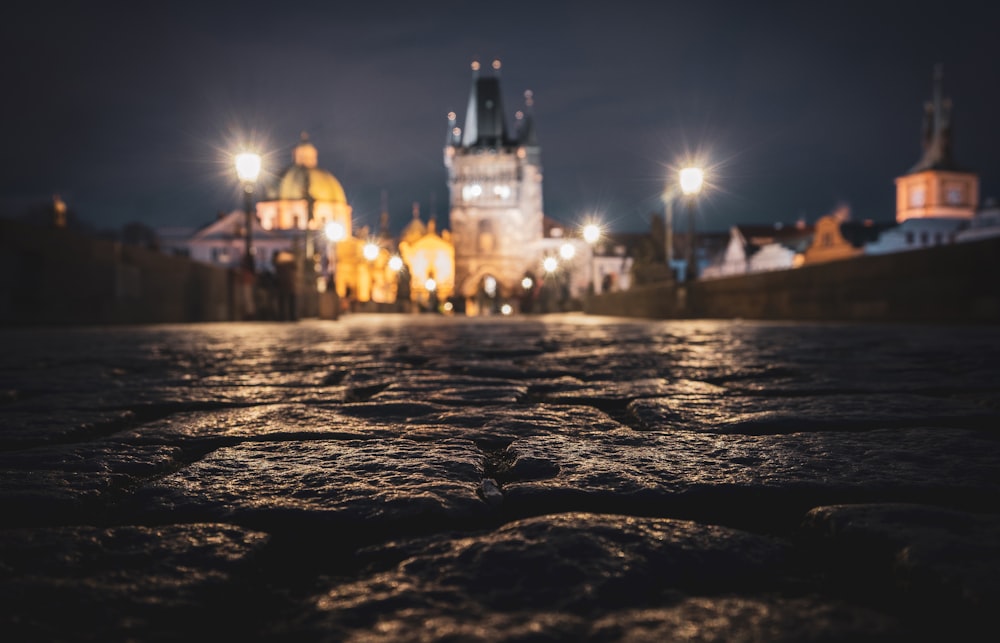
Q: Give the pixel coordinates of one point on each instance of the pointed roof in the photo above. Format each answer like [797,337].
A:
[937,131]
[485,125]
[454,135]
[526,133]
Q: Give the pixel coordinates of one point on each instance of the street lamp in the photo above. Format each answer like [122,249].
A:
[592,234]
[370,252]
[691,180]
[248,169]
[335,232]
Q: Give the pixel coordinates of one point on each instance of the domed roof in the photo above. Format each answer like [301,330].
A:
[304,180]
[300,182]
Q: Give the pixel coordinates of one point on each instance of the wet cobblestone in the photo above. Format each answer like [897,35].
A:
[562,478]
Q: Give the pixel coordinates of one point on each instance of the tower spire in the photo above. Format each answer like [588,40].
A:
[383,228]
[937,129]
[454,135]
[484,119]
[527,134]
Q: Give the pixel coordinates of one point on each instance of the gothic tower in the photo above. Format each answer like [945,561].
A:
[495,188]
[937,187]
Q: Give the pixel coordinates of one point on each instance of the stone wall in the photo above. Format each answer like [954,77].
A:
[55,276]
[955,283]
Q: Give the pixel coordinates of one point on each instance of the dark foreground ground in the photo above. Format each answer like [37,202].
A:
[547,479]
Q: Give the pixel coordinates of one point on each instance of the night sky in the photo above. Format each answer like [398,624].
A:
[130,111]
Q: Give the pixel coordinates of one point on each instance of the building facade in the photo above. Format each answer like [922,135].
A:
[495,189]
[937,187]
[937,199]
[304,199]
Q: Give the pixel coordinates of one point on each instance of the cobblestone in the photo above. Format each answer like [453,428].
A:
[558,478]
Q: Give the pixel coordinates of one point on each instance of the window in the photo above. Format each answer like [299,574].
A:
[471,191]
[487,241]
[909,238]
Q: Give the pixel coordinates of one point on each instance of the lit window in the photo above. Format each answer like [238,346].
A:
[502,191]
[472,191]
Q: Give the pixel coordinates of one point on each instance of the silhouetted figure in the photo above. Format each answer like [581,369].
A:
[607,283]
[286,274]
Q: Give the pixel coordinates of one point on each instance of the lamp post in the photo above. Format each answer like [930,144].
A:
[432,297]
[691,180]
[395,264]
[549,265]
[335,233]
[668,225]
[592,234]
[370,251]
[248,169]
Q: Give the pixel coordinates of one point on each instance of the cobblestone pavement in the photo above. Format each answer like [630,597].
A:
[560,478]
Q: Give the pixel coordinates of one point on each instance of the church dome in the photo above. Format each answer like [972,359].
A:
[305,180]
[300,182]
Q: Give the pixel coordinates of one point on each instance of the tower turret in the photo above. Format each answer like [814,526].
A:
[495,188]
[937,187]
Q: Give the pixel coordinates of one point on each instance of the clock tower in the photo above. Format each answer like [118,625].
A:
[495,188]
[936,187]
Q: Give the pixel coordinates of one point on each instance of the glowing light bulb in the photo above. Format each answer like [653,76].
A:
[691,180]
[334,231]
[248,166]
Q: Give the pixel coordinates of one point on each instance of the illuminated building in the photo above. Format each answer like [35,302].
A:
[429,259]
[937,187]
[829,242]
[306,198]
[937,198]
[495,187]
